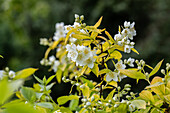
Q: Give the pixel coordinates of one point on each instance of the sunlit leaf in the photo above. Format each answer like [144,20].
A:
[116,55]
[134,50]
[86,91]
[146,95]
[156,68]
[68,34]
[110,37]
[99,22]
[160,89]
[133,73]
[59,75]
[103,71]
[79,36]
[140,104]
[89,83]
[63,99]
[113,47]
[101,55]
[113,83]
[1,56]
[25,73]
[65,110]
[110,95]
[95,69]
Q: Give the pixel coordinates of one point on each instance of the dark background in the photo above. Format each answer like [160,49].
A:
[24,22]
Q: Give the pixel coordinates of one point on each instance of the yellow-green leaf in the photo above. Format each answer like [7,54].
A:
[68,34]
[113,83]
[103,71]
[121,48]
[79,36]
[95,69]
[99,22]
[63,99]
[147,95]
[105,46]
[86,91]
[160,89]
[110,37]
[116,55]
[83,70]
[110,95]
[1,56]
[101,55]
[25,73]
[157,67]
[59,75]
[140,104]
[134,50]
[133,73]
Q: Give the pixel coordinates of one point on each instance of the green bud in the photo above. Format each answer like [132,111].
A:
[82,17]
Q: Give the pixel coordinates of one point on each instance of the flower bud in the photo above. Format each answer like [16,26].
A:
[116,105]
[88,104]
[127,85]
[163,71]
[82,17]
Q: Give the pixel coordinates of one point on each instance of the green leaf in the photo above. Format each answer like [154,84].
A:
[86,91]
[45,105]
[5,91]
[65,110]
[140,104]
[25,73]
[101,55]
[100,111]
[113,47]
[39,80]
[73,104]
[157,67]
[49,86]
[133,73]
[155,85]
[63,99]
[20,108]
[122,108]
[113,83]
[59,75]
[110,95]
[83,70]
[49,79]
[39,95]
[28,94]
[89,83]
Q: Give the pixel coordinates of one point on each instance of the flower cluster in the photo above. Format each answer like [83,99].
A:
[124,37]
[7,73]
[51,62]
[82,55]
[116,75]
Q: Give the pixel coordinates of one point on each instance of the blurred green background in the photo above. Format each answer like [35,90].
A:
[24,22]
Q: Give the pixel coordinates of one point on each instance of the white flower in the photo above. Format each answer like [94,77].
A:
[55,66]
[88,104]
[43,41]
[72,52]
[76,16]
[67,28]
[59,26]
[127,24]
[11,74]
[76,24]
[132,25]
[90,62]
[51,59]
[118,37]
[120,65]
[127,48]
[58,111]
[80,59]
[72,40]
[120,43]
[130,62]
[131,107]
[111,76]
[125,32]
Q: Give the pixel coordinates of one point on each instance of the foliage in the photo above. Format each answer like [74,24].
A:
[82,50]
